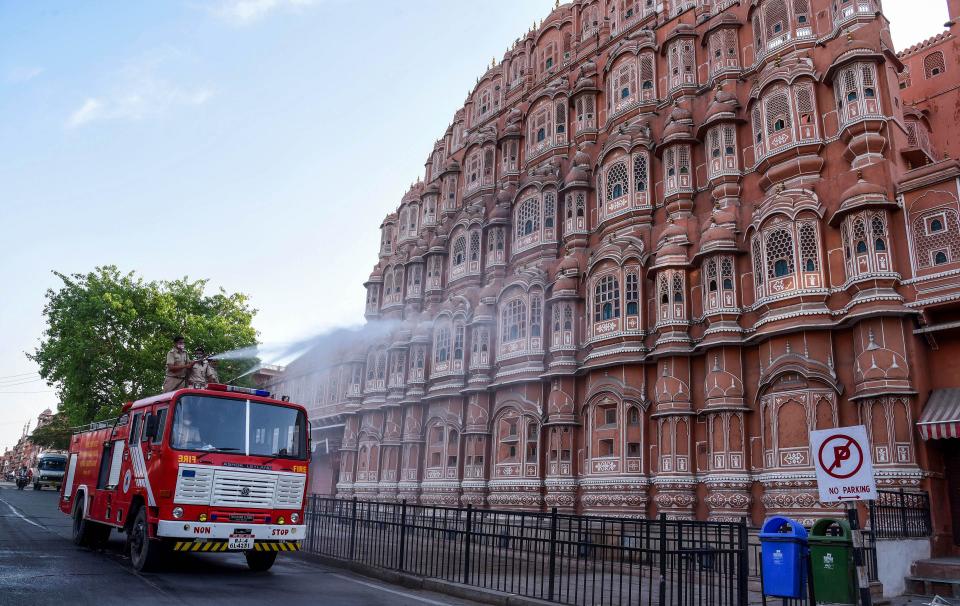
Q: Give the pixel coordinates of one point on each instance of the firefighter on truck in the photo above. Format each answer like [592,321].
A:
[220,469]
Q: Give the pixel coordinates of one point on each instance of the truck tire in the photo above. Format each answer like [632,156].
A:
[87,533]
[145,553]
[260,560]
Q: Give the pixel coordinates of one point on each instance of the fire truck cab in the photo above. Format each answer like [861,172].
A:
[221,469]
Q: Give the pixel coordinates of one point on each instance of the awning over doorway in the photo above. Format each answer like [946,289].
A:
[941,417]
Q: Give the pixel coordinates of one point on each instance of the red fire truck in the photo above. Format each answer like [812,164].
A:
[221,469]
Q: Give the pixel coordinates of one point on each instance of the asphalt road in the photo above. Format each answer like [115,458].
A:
[39,565]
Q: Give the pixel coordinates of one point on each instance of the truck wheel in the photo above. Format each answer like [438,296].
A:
[260,560]
[145,553]
[87,533]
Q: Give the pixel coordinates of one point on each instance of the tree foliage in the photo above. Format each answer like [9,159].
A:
[55,434]
[108,333]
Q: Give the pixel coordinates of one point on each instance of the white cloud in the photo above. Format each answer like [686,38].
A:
[140,93]
[245,12]
[89,111]
[23,74]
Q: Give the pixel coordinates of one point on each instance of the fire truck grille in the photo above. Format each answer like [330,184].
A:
[290,491]
[241,489]
[193,487]
[221,487]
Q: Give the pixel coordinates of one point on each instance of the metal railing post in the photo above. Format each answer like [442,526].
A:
[353,528]
[743,565]
[403,536]
[466,545]
[903,513]
[663,559]
[553,552]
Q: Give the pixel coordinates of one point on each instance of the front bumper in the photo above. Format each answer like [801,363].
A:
[221,546]
[222,530]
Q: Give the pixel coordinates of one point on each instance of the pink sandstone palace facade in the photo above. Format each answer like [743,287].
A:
[662,241]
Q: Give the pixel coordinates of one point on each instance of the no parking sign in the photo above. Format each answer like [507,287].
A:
[844,467]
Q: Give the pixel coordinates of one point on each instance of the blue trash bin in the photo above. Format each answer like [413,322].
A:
[783,557]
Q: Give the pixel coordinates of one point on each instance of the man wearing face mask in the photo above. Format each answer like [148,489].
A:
[178,365]
[186,434]
[202,371]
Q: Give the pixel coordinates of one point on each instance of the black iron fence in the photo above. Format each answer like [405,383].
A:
[564,558]
[897,514]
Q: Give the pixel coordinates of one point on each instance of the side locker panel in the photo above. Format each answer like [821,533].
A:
[68,481]
[115,464]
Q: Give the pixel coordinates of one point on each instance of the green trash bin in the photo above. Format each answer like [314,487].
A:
[831,559]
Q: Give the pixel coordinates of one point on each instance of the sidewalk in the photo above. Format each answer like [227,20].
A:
[916,601]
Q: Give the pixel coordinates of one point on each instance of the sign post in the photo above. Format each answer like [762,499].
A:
[844,468]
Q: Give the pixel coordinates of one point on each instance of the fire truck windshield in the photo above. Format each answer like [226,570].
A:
[213,424]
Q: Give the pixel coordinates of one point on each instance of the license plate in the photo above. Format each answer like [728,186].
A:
[240,542]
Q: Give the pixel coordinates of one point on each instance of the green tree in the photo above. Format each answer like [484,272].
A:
[55,434]
[108,333]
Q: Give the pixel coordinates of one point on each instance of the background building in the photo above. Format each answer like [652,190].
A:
[24,452]
[660,243]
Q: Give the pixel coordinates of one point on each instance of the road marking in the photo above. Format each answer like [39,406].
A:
[21,516]
[393,591]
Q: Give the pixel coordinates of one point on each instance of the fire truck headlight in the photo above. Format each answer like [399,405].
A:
[294,518]
[203,517]
[178,512]
[280,520]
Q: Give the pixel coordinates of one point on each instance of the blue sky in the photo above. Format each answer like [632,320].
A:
[257,143]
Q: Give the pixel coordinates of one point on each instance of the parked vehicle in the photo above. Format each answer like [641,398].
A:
[49,471]
[215,470]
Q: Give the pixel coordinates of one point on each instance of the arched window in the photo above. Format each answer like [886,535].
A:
[617,183]
[514,321]
[640,173]
[790,255]
[606,299]
[855,92]
[536,316]
[459,251]
[726,267]
[647,76]
[458,338]
[681,62]
[474,166]
[475,246]
[528,217]
[936,235]
[809,248]
[623,84]
[549,210]
[541,127]
[723,150]
[724,50]
[879,233]
[933,64]
[632,294]
[441,345]
[864,243]
[586,112]
[779,251]
[480,342]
